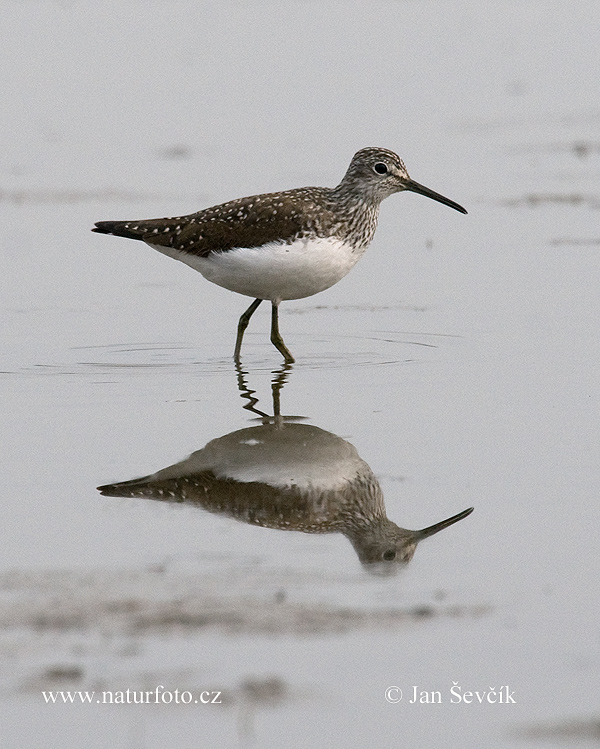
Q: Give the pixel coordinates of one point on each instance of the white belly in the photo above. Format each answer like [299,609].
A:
[275,271]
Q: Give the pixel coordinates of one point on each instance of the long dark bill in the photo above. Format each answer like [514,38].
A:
[422,190]
[426,532]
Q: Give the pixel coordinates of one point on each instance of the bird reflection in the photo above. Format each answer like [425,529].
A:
[291,476]
[280,377]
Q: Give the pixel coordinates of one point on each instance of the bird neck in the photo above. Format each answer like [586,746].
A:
[358,211]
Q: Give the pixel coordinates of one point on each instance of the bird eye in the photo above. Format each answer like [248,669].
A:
[380,168]
[389,555]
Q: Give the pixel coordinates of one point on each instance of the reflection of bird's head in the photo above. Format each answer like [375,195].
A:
[384,548]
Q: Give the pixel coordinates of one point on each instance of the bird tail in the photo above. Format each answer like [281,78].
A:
[133,488]
[129,229]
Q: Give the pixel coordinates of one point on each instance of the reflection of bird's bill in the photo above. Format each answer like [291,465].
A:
[422,190]
[426,532]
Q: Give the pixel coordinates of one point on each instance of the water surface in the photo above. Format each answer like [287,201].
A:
[458,362]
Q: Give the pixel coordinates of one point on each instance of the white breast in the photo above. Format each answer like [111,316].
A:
[275,271]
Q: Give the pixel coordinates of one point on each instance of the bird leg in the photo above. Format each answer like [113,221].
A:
[276,338]
[242,325]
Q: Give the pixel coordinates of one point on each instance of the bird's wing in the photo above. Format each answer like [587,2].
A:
[246,222]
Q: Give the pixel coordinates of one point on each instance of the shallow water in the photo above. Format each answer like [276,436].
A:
[458,362]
